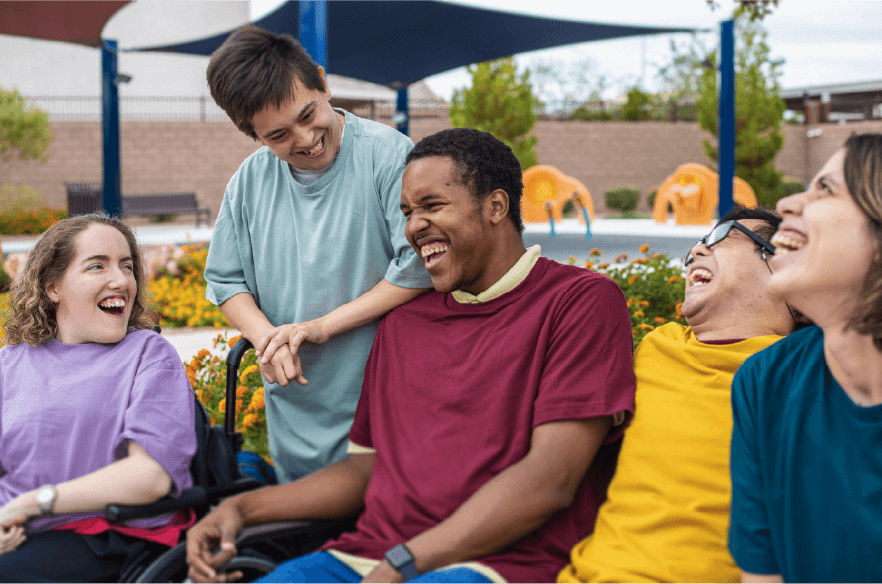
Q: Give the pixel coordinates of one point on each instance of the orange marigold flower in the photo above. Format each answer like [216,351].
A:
[646,327]
[257,400]
[247,371]
[679,309]
[249,420]
[659,320]
[633,331]
[241,391]
[638,313]
[589,265]
[655,256]
[673,279]
[644,248]
[203,353]
[234,340]
[603,266]
[622,258]
[633,279]
[572,260]
[643,304]
[222,406]
[595,252]
[631,302]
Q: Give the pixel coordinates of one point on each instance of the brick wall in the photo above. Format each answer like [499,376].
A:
[201,156]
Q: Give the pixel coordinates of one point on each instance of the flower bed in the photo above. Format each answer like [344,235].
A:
[207,375]
[178,287]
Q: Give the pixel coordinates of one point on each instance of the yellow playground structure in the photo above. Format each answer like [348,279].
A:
[547,190]
[693,193]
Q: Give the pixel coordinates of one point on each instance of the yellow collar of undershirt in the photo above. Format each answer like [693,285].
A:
[517,274]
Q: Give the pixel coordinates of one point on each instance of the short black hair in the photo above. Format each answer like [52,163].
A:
[759,213]
[484,163]
[255,68]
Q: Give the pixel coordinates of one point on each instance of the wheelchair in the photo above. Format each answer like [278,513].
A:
[217,475]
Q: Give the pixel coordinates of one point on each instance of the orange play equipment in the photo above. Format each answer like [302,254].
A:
[547,190]
[693,192]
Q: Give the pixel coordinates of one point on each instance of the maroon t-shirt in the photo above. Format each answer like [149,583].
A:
[453,391]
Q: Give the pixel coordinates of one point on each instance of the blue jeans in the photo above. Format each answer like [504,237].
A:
[324,567]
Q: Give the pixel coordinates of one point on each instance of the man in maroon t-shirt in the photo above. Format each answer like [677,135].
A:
[481,447]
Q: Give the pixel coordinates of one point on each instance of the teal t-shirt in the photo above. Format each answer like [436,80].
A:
[302,251]
[806,469]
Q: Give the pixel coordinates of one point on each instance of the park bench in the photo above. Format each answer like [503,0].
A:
[85,197]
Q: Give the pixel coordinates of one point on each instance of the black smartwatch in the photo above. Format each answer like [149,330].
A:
[402,560]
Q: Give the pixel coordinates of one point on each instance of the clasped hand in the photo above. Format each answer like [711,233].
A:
[13,516]
[277,351]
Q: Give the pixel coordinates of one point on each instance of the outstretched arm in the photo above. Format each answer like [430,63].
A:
[368,307]
[136,479]
[514,503]
[335,491]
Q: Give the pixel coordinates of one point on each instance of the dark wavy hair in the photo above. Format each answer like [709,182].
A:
[31,316]
[255,68]
[863,177]
[483,162]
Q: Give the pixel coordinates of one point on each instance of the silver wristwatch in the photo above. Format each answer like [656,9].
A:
[46,499]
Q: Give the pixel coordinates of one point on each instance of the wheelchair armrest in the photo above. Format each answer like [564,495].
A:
[190,497]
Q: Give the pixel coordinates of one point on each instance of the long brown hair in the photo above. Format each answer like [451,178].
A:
[31,314]
[863,177]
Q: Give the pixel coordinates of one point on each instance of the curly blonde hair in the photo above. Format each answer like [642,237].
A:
[31,314]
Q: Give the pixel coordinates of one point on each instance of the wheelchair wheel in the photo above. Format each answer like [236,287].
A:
[172,567]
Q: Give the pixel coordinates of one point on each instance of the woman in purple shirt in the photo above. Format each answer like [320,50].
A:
[95,408]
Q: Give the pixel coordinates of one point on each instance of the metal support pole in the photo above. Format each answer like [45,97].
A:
[314,30]
[726,134]
[111,195]
[402,112]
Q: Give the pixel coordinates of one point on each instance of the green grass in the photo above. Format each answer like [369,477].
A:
[630,215]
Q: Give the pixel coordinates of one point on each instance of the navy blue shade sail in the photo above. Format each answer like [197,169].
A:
[399,43]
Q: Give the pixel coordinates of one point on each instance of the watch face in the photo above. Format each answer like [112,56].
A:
[398,556]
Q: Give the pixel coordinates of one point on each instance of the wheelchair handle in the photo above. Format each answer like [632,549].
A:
[190,497]
[234,359]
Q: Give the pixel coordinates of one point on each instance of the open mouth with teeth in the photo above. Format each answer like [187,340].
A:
[700,277]
[787,241]
[316,150]
[115,306]
[433,252]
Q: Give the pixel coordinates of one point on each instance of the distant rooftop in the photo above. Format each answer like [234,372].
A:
[857,100]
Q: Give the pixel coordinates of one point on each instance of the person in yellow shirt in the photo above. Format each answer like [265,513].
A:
[667,512]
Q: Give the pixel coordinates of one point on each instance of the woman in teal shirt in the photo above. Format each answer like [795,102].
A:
[807,442]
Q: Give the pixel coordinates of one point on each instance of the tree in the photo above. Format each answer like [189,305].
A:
[759,110]
[754,9]
[561,87]
[680,79]
[23,130]
[638,105]
[500,102]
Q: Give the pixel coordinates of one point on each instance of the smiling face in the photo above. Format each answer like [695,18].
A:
[446,226]
[824,246]
[95,296]
[727,287]
[304,131]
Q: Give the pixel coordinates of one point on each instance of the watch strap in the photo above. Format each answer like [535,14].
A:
[402,560]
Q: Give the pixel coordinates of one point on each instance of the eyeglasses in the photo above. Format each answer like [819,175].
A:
[720,232]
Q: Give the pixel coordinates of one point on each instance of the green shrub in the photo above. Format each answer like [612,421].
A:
[622,198]
[650,198]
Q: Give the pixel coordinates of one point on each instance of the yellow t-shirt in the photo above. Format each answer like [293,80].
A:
[667,513]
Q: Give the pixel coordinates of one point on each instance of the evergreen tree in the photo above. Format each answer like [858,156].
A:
[759,110]
[500,102]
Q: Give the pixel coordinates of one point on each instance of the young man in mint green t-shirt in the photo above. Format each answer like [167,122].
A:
[308,249]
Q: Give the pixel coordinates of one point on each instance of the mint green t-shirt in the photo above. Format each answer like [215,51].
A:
[302,251]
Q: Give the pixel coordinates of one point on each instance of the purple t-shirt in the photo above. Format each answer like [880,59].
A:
[68,410]
[452,393]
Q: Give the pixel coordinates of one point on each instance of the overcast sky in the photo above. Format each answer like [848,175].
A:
[821,42]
